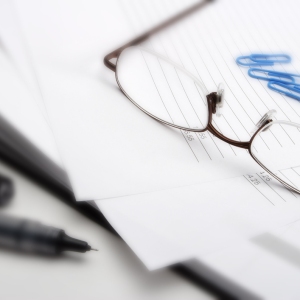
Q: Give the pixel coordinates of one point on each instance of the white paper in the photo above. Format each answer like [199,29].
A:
[165,216]
[267,265]
[19,109]
[15,48]
[109,147]
[65,86]
[200,219]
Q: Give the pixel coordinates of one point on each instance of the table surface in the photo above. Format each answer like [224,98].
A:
[112,273]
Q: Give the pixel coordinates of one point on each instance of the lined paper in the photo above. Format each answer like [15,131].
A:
[112,149]
[209,52]
[172,226]
[191,224]
[247,100]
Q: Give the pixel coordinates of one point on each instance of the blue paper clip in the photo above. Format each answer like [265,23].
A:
[255,60]
[246,61]
[272,58]
[272,75]
[287,89]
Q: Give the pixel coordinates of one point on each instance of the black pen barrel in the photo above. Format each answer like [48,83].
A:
[31,236]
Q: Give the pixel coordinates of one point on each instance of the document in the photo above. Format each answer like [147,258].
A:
[18,107]
[165,226]
[109,147]
[197,219]
[267,265]
[161,212]
[15,49]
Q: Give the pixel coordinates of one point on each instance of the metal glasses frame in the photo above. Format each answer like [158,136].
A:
[212,99]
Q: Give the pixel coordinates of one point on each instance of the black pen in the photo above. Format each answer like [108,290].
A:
[31,236]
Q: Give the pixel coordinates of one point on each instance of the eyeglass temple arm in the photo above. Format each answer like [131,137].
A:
[147,34]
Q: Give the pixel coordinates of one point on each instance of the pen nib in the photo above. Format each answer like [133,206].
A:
[93,249]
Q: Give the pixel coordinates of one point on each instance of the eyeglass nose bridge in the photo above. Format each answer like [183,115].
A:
[266,118]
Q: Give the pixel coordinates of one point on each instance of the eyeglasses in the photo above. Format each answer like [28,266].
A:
[173,96]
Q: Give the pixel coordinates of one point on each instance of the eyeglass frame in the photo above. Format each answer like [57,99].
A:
[212,99]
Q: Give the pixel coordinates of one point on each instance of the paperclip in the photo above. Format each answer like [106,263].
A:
[287,89]
[272,75]
[272,58]
[246,61]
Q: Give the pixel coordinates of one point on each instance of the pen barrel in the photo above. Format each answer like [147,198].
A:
[28,236]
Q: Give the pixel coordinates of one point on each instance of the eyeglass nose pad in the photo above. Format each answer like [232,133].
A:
[220,100]
[263,120]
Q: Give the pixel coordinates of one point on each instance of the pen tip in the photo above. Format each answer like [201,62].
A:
[93,249]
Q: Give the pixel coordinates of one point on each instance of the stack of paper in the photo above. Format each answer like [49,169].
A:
[171,196]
